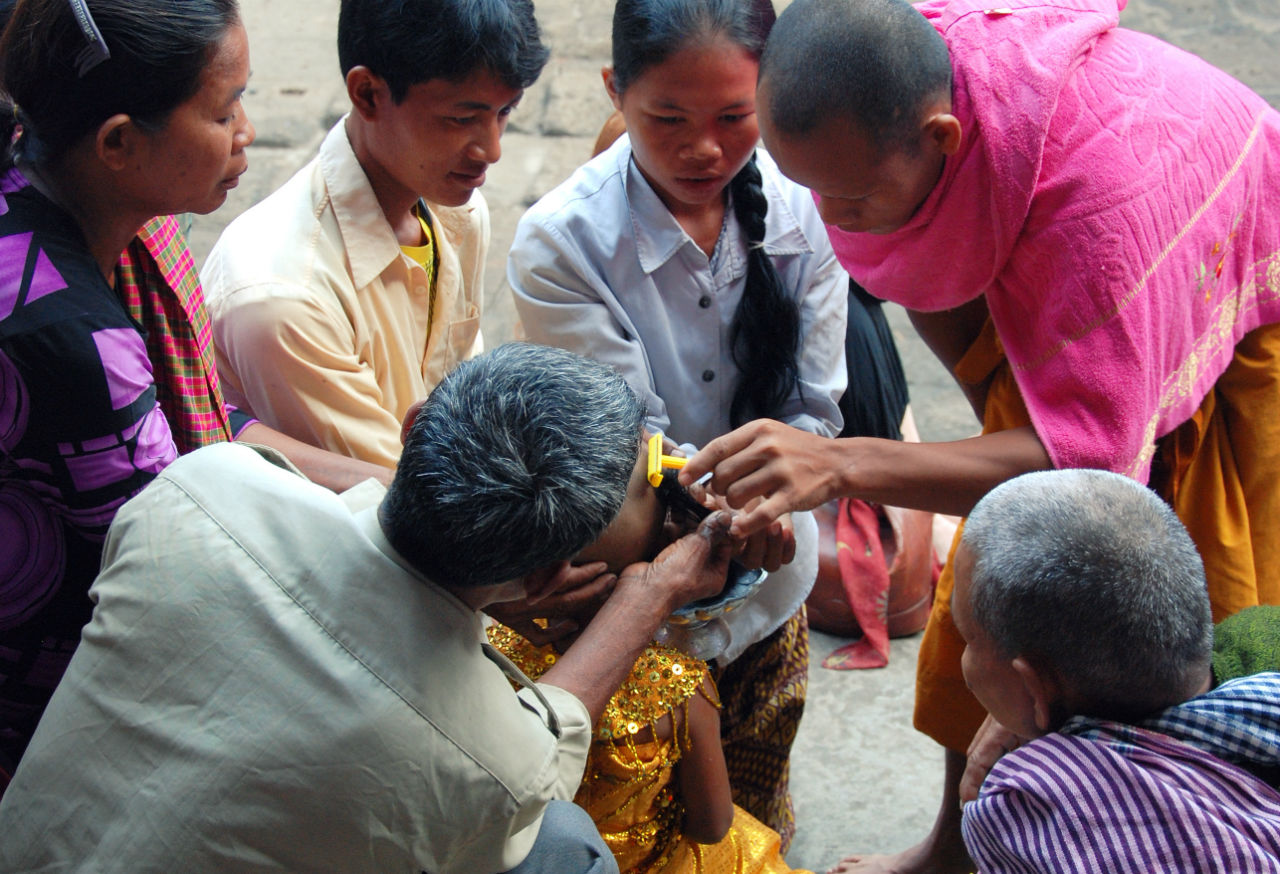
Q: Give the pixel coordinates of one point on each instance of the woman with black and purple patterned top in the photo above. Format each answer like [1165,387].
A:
[113,112]
[116,113]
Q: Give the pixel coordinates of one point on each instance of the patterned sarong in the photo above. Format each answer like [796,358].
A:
[762,693]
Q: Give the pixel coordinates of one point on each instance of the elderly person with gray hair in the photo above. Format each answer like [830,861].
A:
[1082,602]
[280,678]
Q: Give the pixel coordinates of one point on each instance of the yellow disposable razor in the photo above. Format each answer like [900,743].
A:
[658,461]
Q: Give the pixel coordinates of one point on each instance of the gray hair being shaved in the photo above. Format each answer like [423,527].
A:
[1092,576]
[518,459]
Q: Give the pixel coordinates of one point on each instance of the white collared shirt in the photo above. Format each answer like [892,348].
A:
[322,324]
[601,267]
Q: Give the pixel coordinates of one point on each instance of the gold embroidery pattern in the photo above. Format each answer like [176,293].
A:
[627,787]
[1263,286]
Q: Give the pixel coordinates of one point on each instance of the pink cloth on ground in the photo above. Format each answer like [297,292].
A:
[1118,202]
[865,576]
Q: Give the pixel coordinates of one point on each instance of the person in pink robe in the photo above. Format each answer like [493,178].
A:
[1084,223]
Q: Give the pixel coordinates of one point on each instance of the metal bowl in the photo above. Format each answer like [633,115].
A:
[739,587]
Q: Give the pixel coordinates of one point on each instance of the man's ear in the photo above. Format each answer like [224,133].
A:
[541,582]
[368,91]
[611,86]
[945,131]
[116,141]
[410,415]
[1043,690]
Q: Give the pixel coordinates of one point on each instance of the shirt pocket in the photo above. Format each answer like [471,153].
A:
[462,336]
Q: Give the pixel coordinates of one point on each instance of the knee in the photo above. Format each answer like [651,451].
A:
[568,843]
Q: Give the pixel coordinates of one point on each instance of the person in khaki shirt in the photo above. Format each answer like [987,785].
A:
[348,293]
[277,678]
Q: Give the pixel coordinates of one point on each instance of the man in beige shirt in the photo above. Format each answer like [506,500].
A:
[347,294]
[277,678]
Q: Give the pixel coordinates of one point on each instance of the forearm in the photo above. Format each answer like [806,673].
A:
[701,772]
[939,477]
[333,471]
[692,567]
[601,658]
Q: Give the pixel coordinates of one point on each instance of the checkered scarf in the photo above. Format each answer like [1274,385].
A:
[158,283]
[1239,722]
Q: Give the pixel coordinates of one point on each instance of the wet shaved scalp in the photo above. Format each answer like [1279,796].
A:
[876,63]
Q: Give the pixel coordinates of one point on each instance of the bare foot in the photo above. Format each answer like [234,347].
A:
[942,852]
[920,859]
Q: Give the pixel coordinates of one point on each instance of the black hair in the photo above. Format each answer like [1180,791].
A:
[647,32]
[149,59]
[876,63]
[765,334]
[406,42]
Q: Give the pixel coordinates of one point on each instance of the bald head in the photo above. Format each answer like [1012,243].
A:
[877,63]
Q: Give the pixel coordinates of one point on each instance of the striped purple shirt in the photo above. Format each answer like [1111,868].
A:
[1179,793]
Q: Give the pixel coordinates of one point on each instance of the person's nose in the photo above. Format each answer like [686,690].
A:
[245,134]
[704,149]
[487,146]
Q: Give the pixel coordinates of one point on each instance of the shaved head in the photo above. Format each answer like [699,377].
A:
[877,63]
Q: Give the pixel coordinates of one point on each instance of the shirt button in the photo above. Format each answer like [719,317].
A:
[704,301]
[708,375]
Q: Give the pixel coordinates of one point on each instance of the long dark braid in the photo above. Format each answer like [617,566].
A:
[765,334]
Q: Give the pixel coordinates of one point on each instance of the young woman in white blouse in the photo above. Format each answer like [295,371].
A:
[681,256]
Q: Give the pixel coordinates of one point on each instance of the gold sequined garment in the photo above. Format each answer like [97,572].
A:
[627,787]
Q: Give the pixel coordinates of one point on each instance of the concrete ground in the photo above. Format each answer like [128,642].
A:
[863,780]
